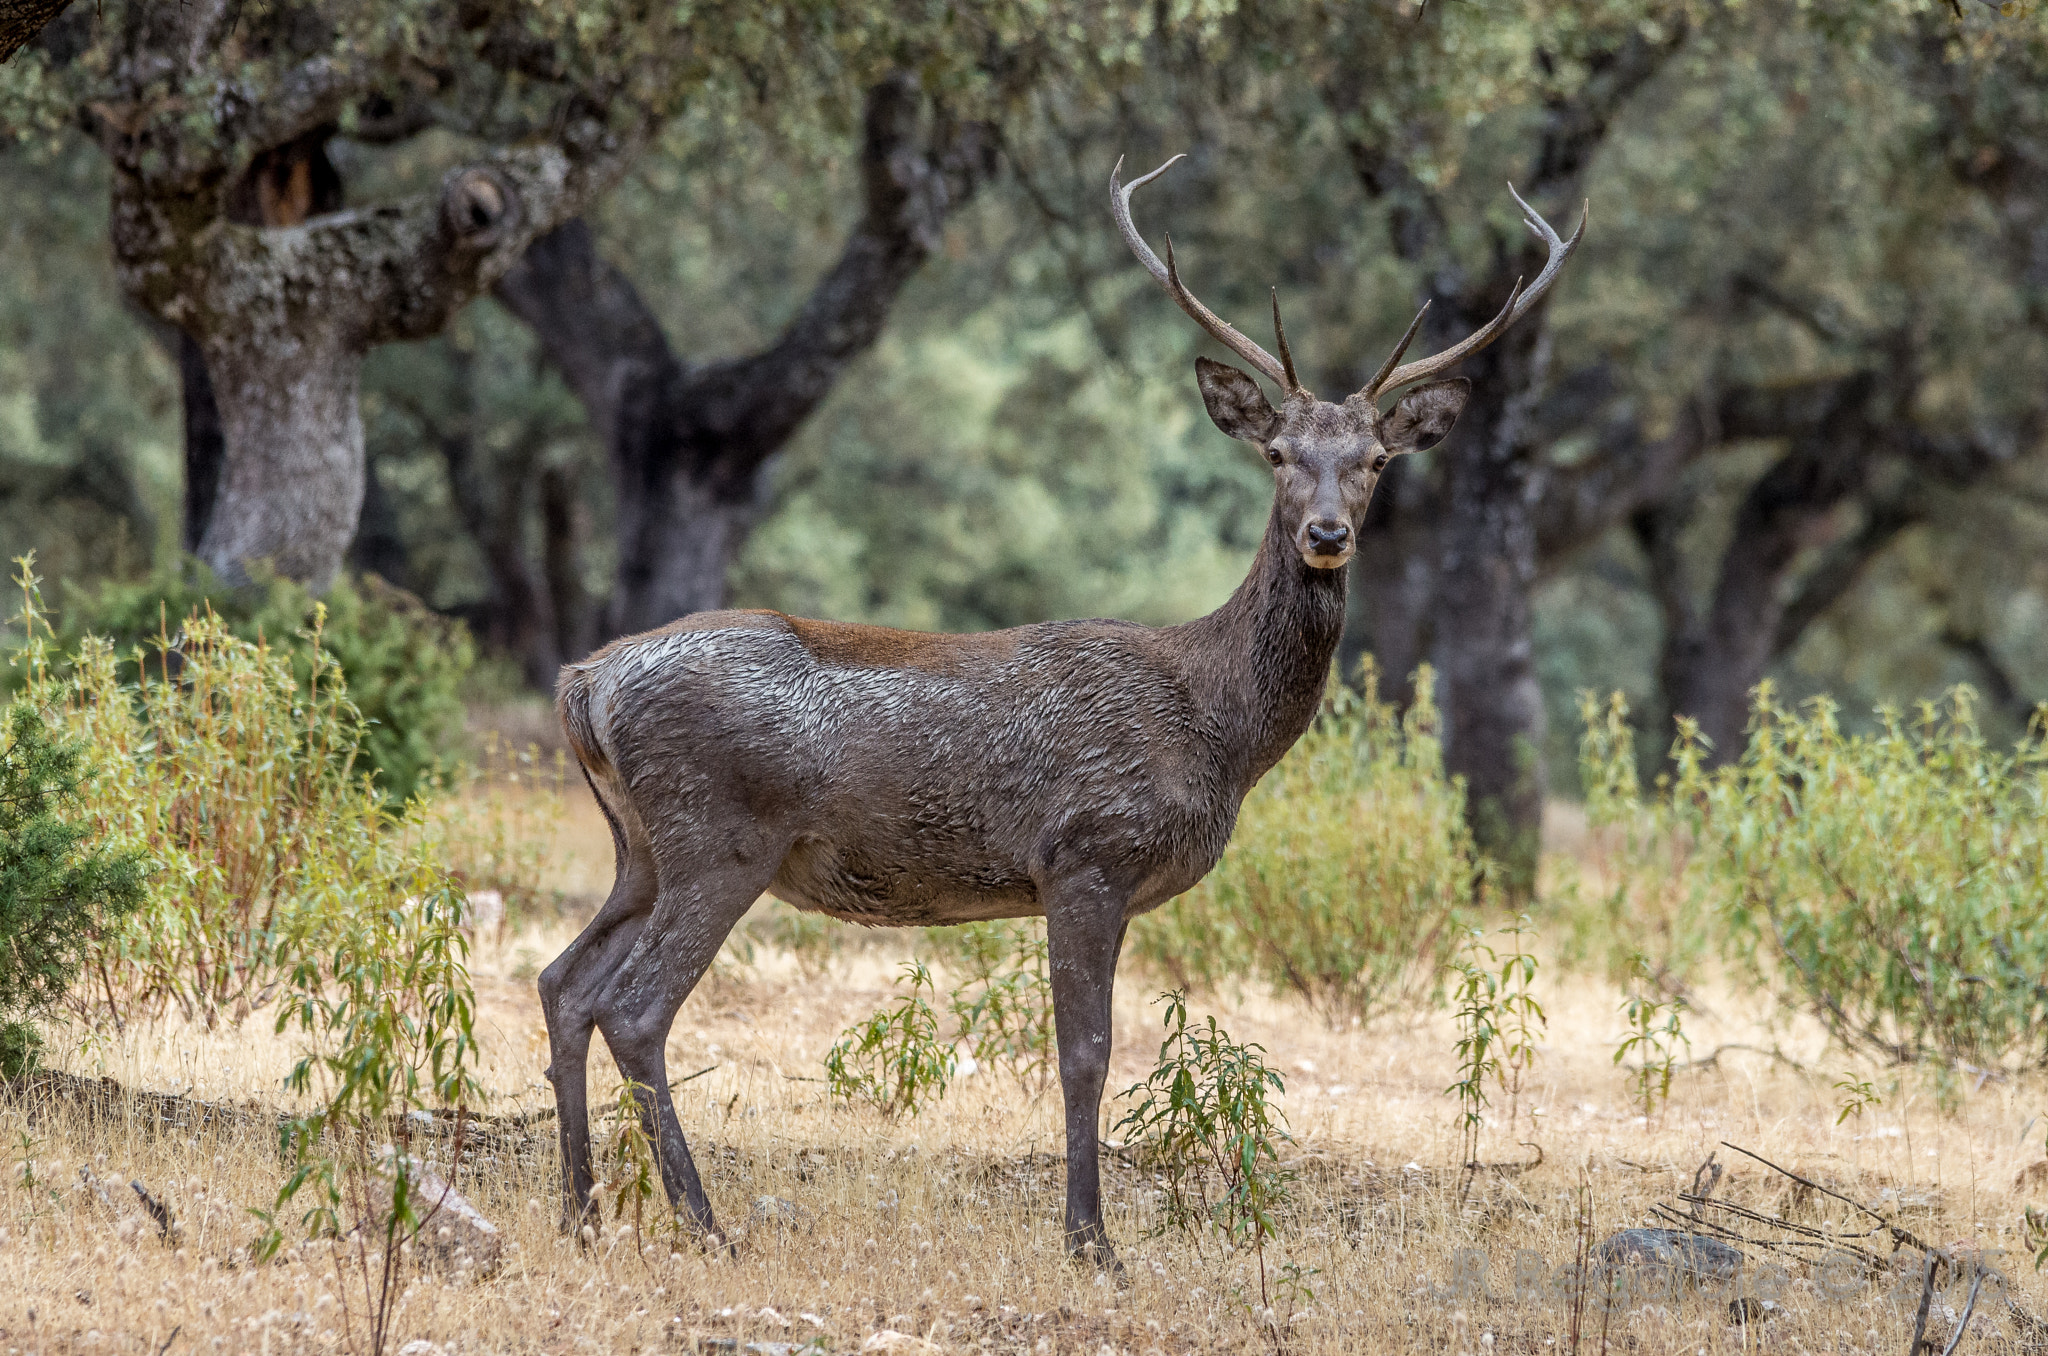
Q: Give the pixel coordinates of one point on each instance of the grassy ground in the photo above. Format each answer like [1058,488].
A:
[942,1233]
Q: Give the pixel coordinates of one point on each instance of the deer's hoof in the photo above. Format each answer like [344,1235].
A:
[581,1224]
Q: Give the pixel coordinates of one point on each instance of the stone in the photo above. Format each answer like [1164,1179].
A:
[773,1212]
[453,1234]
[1694,1257]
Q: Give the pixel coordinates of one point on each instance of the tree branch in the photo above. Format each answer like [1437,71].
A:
[751,405]
[21,20]
[1578,503]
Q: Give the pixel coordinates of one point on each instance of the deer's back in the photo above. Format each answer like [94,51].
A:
[920,778]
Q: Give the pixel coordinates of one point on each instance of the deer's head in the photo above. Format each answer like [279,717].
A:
[1327,457]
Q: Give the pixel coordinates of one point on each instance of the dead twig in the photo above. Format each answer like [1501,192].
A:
[1898,1233]
[1713,1059]
[1919,1343]
[1708,1172]
[1969,1307]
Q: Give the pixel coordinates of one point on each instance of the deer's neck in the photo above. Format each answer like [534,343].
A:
[1260,661]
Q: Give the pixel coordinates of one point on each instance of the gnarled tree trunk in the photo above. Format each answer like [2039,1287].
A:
[216,230]
[21,20]
[687,443]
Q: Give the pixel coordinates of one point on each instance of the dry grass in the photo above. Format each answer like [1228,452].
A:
[945,1229]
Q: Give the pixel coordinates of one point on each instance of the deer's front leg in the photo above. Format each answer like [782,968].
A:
[1084,922]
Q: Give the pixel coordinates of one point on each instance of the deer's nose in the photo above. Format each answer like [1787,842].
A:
[1327,539]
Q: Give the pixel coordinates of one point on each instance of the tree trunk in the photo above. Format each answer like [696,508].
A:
[688,443]
[562,535]
[1492,703]
[283,314]
[205,447]
[1480,517]
[1837,431]
[518,617]
[292,484]
[1393,580]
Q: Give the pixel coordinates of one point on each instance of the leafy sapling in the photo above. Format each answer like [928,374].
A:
[1206,1123]
[1656,1031]
[894,1060]
[1858,1096]
[634,1177]
[1477,995]
[1500,1022]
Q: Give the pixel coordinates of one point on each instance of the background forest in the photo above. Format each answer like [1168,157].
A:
[829,316]
[363,362]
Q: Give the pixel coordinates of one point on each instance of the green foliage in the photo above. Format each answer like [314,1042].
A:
[1656,1029]
[1639,860]
[1002,1005]
[1203,1122]
[403,664]
[21,1050]
[1499,1021]
[60,891]
[631,1172]
[1898,878]
[894,1060]
[1858,1096]
[1891,883]
[1349,860]
[90,449]
[230,770]
[379,994]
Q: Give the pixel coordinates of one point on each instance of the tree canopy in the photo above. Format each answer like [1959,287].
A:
[820,307]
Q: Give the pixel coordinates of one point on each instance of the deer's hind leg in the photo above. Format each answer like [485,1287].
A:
[569,992]
[706,887]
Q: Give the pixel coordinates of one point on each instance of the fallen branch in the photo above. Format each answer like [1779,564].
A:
[1713,1060]
[105,1101]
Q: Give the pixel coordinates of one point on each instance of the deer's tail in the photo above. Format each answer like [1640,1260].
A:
[573,697]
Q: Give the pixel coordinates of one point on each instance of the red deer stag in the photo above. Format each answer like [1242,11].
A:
[1086,771]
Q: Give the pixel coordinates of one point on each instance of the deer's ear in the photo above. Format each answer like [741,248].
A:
[1235,402]
[1423,418]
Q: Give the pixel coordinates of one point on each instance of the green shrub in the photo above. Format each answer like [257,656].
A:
[1656,1028]
[1499,1021]
[232,775]
[379,993]
[58,892]
[1634,895]
[1894,884]
[403,664]
[1003,1001]
[894,1060]
[1348,863]
[1203,1123]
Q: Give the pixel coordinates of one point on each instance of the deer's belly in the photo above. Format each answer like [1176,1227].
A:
[899,890]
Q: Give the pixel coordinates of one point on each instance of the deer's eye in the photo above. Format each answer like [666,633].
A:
[1379,463]
[1273,453]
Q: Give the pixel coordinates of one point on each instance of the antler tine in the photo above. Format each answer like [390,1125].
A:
[1520,300]
[1379,378]
[1169,277]
[1560,250]
[1280,336]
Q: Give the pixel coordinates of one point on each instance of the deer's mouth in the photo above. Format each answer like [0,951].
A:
[1327,560]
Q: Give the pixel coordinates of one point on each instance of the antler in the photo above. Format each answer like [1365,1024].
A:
[1169,278]
[1520,299]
